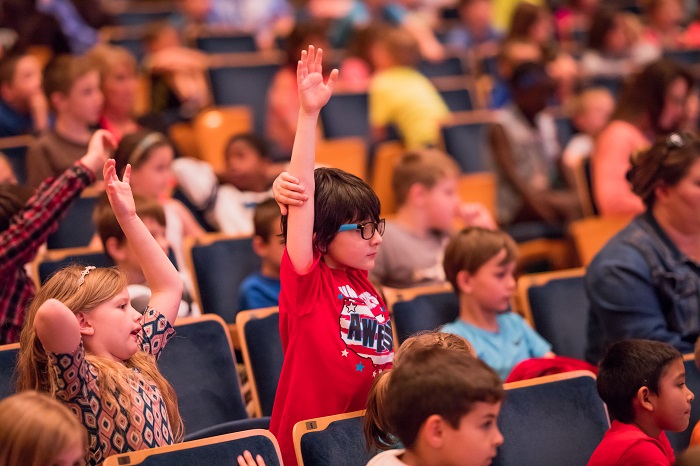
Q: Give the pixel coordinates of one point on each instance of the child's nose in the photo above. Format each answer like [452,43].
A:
[691,395]
[498,441]
[377,238]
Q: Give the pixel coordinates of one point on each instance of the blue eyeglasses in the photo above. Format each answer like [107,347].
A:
[367,229]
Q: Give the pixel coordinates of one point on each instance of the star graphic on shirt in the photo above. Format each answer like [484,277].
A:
[359,367]
[344,353]
[374,374]
[351,307]
[340,296]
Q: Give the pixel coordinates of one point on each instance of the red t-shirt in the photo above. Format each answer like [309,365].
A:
[336,337]
[626,445]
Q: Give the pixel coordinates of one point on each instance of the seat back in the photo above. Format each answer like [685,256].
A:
[583,184]
[76,229]
[220,450]
[261,346]
[481,188]
[557,419]
[591,233]
[465,139]
[244,82]
[457,99]
[214,127]
[226,43]
[8,363]
[200,364]
[449,66]
[346,115]
[348,154]
[337,440]
[557,306]
[386,156]
[15,149]
[219,263]
[681,440]
[52,261]
[421,308]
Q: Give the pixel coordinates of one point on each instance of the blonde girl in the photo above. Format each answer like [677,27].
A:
[85,345]
[36,430]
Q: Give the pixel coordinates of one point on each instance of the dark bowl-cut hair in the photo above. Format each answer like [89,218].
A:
[627,366]
[339,198]
[604,21]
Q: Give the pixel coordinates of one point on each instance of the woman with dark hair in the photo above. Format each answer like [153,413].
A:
[613,48]
[652,104]
[645,282]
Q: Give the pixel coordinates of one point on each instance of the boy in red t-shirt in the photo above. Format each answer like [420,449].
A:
[335,329]
[643,384]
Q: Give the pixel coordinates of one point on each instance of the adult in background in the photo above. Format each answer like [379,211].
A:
[645,282]
[652,104]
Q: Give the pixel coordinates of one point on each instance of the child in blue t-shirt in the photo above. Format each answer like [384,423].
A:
[262,289]
[480,264]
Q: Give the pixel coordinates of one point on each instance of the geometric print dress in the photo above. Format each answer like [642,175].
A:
[113,429]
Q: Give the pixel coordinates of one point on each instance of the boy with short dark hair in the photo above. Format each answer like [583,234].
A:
[643,384]
[72,86]
[262,289]
[23,106]
[116,246]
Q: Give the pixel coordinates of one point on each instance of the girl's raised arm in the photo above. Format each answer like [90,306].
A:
[162,277]
[57,327]
[313,95]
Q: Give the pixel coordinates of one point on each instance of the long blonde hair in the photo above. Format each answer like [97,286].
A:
[101,285]
[35,429]
[377,428]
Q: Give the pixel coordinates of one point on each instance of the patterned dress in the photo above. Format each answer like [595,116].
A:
[114,429]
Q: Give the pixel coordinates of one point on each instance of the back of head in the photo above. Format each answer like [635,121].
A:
[13,198]
[378,432]
[303,34]
[664,164]
[265,218]
[425,167]
[106,58]
[653,83]
[400,45]
[628,366]
[437,381]
[63,71]
[339,198]
[524,17]
[474,246]
[604,21]
[35,429]
[134,149]
[106,222]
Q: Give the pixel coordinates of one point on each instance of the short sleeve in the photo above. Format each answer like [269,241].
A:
[72,374]
[156,331]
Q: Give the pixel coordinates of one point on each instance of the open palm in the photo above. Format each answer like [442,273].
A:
[119,192]
[313,92]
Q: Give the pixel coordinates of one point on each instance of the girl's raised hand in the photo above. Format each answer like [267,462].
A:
[313,92]
[119,192]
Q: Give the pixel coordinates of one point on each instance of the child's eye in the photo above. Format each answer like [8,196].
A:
[122,306]
[487,425]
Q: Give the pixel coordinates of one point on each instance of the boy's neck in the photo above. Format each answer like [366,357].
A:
[73,130]
[413,220]
[471,313]
[269,270]
[647,425]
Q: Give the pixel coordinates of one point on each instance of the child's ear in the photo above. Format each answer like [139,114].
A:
[259,245]
[464,281]
[643,398]
[115,250]
[57,101]
[85,326]
[416,193]
[433,431]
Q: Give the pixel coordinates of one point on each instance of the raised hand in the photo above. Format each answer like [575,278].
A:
[313,92]
[119,192]
[287,191]
[101,144]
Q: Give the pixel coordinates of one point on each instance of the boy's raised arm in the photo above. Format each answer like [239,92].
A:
[313,95]
[162,277]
